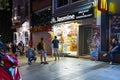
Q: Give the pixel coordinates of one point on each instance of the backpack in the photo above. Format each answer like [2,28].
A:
[39,46]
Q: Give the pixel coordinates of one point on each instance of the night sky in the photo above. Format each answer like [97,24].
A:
[5,22]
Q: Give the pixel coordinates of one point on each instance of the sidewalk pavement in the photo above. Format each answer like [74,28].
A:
[68,68]
[23,60]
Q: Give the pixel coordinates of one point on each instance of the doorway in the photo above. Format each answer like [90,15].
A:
[85,35]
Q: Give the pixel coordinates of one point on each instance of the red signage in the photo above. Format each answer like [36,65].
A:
[40,29]
[102,5]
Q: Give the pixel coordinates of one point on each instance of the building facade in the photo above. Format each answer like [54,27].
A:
[41,17]
[21,20]
[77,23]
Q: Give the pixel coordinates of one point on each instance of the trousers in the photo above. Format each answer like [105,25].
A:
[112,54]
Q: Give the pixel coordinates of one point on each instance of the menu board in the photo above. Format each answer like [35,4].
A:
[115,24]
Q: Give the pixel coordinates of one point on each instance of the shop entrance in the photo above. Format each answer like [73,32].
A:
[85,34]
[87,39]
[67,33]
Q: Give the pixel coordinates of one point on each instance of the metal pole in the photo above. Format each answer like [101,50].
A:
[29,15]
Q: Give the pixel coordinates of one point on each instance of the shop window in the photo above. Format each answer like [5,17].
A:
[67,35]
[61,3]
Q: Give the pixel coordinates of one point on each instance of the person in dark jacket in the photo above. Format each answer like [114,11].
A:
[55,43]
[115,50]
[14,49]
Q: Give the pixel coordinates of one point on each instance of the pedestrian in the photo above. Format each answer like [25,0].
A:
[114,43]
[114,50]
[1,52]
[31,55]
[14,49]
[21,47]
[42,51]
[55,43]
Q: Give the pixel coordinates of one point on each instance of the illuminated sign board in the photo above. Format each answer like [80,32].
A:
[65,18]
[102,5]
[78,15]
[84,13]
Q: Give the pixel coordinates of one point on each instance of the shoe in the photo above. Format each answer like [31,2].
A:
[42,62]
[105,54]
[29,63]
[45,62]
[110,63]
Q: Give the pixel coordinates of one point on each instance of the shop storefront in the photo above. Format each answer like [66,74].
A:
[76,32]
[67,34]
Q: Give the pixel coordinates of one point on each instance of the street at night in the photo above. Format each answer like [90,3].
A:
[71,69]
[84,34]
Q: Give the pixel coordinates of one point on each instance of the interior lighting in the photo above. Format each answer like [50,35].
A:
[15,18]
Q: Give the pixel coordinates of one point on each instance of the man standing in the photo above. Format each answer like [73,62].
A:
[55,43]
[41,49]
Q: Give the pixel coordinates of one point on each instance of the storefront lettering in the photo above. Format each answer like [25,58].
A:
[102,5]
[65,18]
[84,16]
[78,15]
[83,11]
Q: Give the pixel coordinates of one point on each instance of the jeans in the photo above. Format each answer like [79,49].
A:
[31,58]
[112,54]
